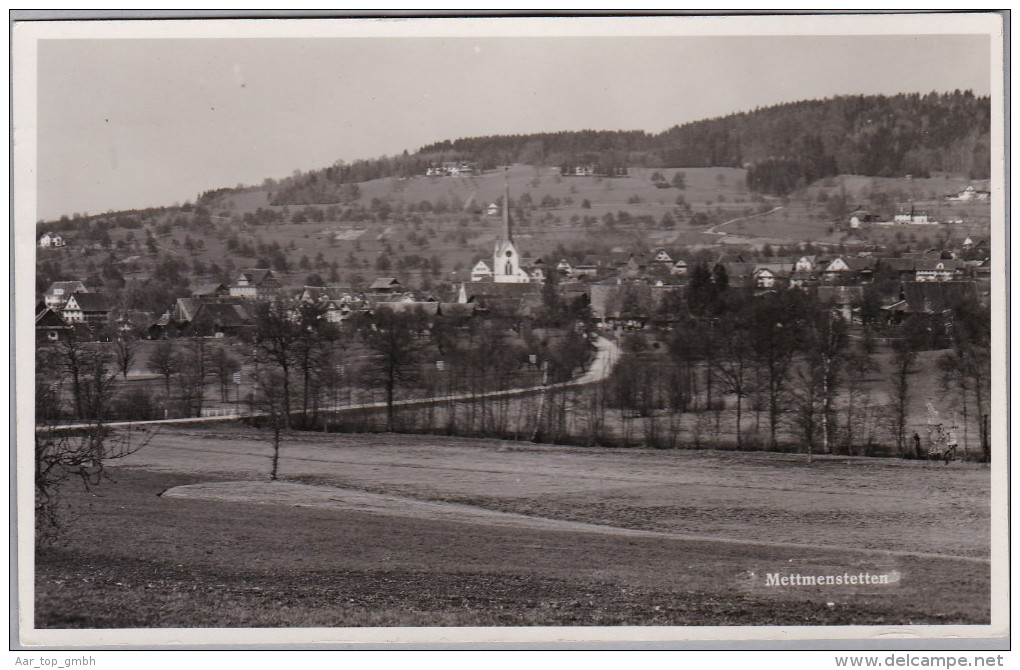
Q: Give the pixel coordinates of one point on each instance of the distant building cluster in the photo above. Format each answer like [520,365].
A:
[510,283]
[48,240]
[451,169]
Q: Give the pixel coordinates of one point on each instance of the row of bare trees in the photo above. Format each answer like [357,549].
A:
[795,363]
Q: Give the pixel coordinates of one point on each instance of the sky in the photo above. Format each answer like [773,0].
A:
[130,123]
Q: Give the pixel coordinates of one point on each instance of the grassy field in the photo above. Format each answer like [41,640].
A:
[426,531]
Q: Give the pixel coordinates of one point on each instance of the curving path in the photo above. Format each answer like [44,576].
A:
[337,498]
[713,231]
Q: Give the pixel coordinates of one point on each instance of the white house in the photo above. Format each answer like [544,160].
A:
[86,308]
[51,240]
[258,283]
[764,278]
[937,270]
[804,264]
[662,256]
[971,193]
[480,271]
[913,217]
[836,269]
[59,291]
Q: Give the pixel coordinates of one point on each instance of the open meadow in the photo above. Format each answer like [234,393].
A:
[399,530]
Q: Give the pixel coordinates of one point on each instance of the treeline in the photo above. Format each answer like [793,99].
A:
[783,146]
[782,370]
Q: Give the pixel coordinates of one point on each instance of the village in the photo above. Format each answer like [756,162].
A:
[511,282]
[635,299]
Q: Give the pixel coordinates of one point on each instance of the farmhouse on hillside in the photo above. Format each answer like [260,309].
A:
[59,291]
[51,240]
[91,308]
[257,283]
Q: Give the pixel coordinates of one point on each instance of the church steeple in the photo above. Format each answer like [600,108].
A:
[507,237]
[506,262]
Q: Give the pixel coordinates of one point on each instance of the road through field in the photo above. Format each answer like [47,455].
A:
[879,505]
[714,230]
[341,499]
[607,352]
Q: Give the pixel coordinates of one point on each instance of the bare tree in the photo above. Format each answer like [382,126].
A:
[125,349]
[75,357]
[733,365]
[277,333]
[165,361]
[774,343]
[824,340]
[966,368]
[270,399]
[62,457]
[223,366]
[905,350]
[858,368]
[393,341]
[312,351]
[195,367]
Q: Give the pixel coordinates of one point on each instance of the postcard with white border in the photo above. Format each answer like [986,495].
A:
[511,330]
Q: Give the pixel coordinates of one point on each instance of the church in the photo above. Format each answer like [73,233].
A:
[507,265]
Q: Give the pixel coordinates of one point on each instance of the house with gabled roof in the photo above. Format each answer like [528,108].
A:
[219,319]
[860,217]
[341,301]
[256,283]
[481,271]
[946,269]
[59,291]
[535,267]
[91,308]
[618,258]
[386,285]
[588,267]
[51,240]
[662,256]
[836,270]
[765,279]
[50,327]
[185,309]
[804,264]
[211,291]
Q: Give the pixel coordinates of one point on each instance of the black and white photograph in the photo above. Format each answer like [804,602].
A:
[511,330]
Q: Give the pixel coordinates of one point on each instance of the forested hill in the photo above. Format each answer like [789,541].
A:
[783,146]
